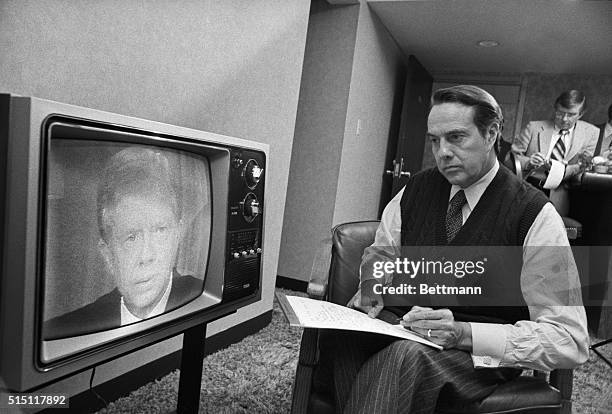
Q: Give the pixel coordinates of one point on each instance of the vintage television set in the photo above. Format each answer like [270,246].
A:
[117,232]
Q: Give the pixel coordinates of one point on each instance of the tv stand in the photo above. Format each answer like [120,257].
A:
[192,358]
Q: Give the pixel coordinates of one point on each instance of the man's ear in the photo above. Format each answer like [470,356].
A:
[106,255]
[493,131]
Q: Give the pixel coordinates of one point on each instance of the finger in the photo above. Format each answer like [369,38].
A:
[425,324]
[428,334]
[419,332]
[364,309]
[351,303]
[360,304]
[428,314]
[373,313]
[413,311]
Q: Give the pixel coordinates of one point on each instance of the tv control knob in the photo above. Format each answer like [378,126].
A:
[250,207]
[252,173]
[259,250]
[251,251]
[244,253]
[237,162]
[236,255]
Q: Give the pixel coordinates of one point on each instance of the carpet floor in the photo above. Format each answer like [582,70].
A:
[256,376]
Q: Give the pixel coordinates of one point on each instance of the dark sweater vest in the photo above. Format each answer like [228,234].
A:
[502,217]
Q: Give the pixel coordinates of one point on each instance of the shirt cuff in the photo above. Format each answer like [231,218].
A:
[488,344]
[555,175]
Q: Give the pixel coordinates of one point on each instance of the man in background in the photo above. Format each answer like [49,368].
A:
[550,151]
[604,142]
[468,200]
[140,230]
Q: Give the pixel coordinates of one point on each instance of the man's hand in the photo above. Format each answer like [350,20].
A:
[366,300]
[537,160]
[440,327]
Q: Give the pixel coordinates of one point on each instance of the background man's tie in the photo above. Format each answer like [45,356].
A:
[558,151]
[454,216]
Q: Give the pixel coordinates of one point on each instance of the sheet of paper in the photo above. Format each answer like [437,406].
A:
[326,315]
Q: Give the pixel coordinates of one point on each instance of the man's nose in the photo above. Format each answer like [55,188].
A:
[444,149]
[147,253]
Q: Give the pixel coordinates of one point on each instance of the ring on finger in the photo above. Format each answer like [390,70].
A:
[429,333]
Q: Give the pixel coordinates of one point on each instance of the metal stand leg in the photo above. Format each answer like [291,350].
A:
[190,380]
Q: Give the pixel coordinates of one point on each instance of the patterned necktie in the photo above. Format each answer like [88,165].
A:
[558,151]
[454,216]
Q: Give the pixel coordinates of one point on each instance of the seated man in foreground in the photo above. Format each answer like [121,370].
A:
[469,200]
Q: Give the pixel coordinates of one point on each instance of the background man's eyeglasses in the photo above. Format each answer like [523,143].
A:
[563,114]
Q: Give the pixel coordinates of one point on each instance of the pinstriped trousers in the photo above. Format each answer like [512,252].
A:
[378,374]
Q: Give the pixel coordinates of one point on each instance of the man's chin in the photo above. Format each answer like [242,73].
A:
[143,306]
[454,176]
[146,297]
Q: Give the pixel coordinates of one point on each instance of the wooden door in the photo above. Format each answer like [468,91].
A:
[413,127]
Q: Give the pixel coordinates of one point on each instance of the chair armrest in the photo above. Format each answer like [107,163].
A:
[307,361]
[319,274]
[563,379]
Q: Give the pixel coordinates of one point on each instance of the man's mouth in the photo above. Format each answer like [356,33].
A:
[144,280]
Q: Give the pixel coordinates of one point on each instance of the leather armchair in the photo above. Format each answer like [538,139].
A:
[336,279]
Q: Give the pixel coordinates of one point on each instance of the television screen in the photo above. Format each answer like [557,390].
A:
[126,234]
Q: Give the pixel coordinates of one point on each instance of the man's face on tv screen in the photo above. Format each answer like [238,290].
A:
[141,250]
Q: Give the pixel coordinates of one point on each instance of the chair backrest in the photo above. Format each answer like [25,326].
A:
[348,242]
[512,162]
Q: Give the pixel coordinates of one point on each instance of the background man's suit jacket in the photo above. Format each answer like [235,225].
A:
[537,135]
[603,143]
[105,312]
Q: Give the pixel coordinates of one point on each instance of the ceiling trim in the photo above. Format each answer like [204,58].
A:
[491,78]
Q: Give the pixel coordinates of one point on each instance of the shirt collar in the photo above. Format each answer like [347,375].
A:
[128,317]
[476,190]
[557,131]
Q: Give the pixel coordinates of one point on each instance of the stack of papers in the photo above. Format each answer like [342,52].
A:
[311,313]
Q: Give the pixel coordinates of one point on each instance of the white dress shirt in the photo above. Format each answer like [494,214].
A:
[128,317]
[555,336]
[557,168]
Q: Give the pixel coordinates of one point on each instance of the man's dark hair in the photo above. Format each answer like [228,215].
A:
[133,171]
[610,112]
[486,109]
[571,98]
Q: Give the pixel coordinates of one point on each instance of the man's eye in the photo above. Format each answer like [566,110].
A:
[130,237]
[161,229]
